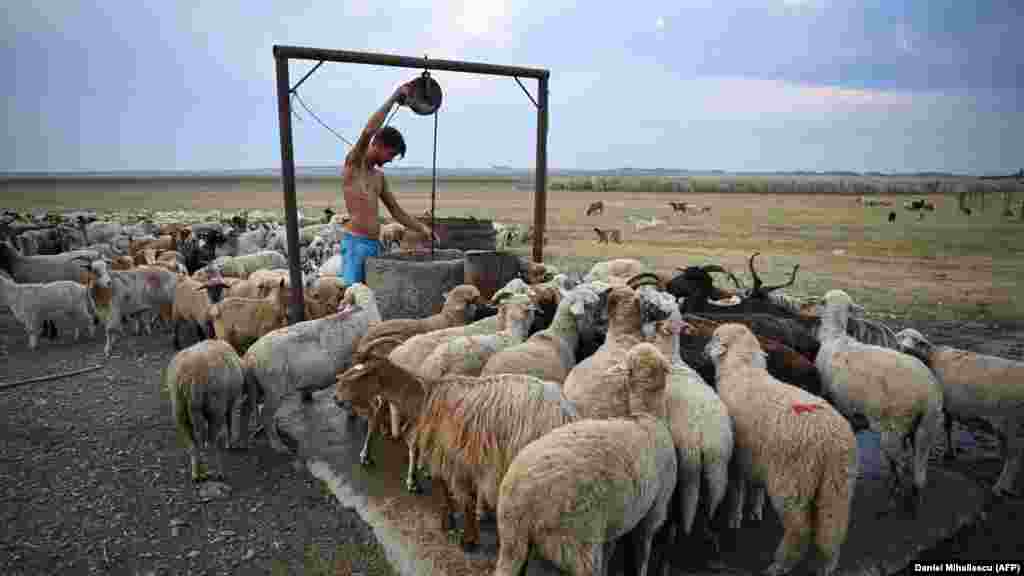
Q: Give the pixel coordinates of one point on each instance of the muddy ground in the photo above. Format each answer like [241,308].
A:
[94,481]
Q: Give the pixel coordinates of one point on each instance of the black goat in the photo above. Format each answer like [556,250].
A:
[696,286]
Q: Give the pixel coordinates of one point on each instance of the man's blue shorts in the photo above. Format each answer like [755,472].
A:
[354,252]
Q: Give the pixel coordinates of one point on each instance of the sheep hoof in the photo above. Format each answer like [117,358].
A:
[365,459]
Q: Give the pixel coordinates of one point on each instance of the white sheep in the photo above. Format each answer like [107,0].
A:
[47,268]
[570,494]
[243,266]
[897,394]
[800,449]
[139,291]
[700,424]
[551,353]
[977,385]
[628,312]
[307,356]
[206,386]
[467,355]
[615,272]
[34,304]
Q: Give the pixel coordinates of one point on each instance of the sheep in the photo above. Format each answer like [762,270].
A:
[678,206]
[699,421]
[105,250]
[241,321]
[977,385]
[459,306]
[897,394]
[192,301]
[641,224]
[608,234]
[243,243]
[628,312]
[243,266]
[615,272]
[551,353]
[409,355]
[44,269]
[206,385]
[135,291]
[306,356]
[470,430]
[467,355]
[102,232]
[35,304]
[793,443]
[327,292]
[412,352]
[573,492]
[595,208]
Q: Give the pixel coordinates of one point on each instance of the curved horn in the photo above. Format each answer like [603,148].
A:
[753,274]
[644,279]
[792,278]
[716,268]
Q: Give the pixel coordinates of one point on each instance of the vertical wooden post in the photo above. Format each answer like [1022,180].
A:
[295,306]
[540,206]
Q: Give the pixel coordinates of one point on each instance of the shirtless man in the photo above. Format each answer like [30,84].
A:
[363,184]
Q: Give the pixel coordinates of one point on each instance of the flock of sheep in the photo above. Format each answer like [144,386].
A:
[620,408]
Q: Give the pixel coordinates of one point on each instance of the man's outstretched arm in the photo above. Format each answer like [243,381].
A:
[401,215]
[376,120]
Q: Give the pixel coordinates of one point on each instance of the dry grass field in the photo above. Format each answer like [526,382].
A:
[945,266]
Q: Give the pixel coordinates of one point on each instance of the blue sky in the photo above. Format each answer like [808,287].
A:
[702,84]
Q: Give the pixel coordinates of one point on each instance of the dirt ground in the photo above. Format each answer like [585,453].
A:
[94,481]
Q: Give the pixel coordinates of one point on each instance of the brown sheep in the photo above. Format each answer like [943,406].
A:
[241,321]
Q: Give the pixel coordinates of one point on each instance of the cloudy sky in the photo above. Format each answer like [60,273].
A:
[888,85]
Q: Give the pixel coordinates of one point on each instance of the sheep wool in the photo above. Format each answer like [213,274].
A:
[573,492]
[551,353]
[977,385]
[701,428]
[206,385]
[471,431]
[800,449]
[897,394]
[306,356]
[467,355]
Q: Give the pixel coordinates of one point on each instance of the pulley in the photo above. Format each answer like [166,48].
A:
[426,95]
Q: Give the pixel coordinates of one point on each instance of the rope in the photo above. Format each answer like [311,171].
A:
[317,118]
[433,188]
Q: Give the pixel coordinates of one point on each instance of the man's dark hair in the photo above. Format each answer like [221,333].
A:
[390,136]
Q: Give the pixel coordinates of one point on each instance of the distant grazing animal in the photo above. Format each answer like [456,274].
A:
[892,216]
[603,236]
[678,206]
[595,208]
